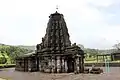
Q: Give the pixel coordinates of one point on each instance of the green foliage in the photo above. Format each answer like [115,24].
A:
[27,47]
[91,52]
[7,65]
[3,60]
[9,53]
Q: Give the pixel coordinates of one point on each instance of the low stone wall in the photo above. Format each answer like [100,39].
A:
[102,64]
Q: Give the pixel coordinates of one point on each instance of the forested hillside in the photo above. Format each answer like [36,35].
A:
[9,53]
[27,47]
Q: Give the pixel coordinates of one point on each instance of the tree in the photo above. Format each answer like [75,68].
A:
[91,52]
[117,45]
[3,60]
[11,52]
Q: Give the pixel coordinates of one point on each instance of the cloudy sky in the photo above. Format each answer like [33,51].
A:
[92,23]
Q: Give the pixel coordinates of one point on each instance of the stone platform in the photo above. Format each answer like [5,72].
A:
[11,74]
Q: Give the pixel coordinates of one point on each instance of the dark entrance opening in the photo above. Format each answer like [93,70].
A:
[70,65]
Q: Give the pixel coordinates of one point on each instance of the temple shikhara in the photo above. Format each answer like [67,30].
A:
[55,54]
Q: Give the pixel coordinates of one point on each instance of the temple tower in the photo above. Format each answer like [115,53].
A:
[57,36]
[56,53]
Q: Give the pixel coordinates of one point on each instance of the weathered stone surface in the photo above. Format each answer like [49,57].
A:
[96,70]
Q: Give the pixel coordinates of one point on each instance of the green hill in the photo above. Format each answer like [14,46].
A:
[27,47]
[8,53]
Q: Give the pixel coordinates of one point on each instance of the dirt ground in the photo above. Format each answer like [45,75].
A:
[2,79]
[11,74]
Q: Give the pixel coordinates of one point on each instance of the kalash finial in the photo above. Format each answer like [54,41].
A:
[56,8]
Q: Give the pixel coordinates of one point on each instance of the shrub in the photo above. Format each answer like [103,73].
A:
[3,60]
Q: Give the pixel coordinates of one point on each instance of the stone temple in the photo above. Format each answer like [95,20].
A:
[55,54]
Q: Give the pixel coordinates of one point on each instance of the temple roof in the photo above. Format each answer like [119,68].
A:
[27,55]
[56,13]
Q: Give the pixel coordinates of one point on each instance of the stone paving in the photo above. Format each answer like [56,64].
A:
[11,74]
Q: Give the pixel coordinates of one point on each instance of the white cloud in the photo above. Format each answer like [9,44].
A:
[7,7]
[103,3]
[25,21]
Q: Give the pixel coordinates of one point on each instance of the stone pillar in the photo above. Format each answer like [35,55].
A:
[40,65]
[53,64]
[29,65]
[66,67]
[111,56]
[58,64]
[50,64]
[82,64]
[63,64]
[37,63]
[77,65]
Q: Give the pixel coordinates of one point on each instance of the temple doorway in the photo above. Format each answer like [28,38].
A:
[70,64]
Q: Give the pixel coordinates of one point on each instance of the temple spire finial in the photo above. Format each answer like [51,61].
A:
[56,8]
